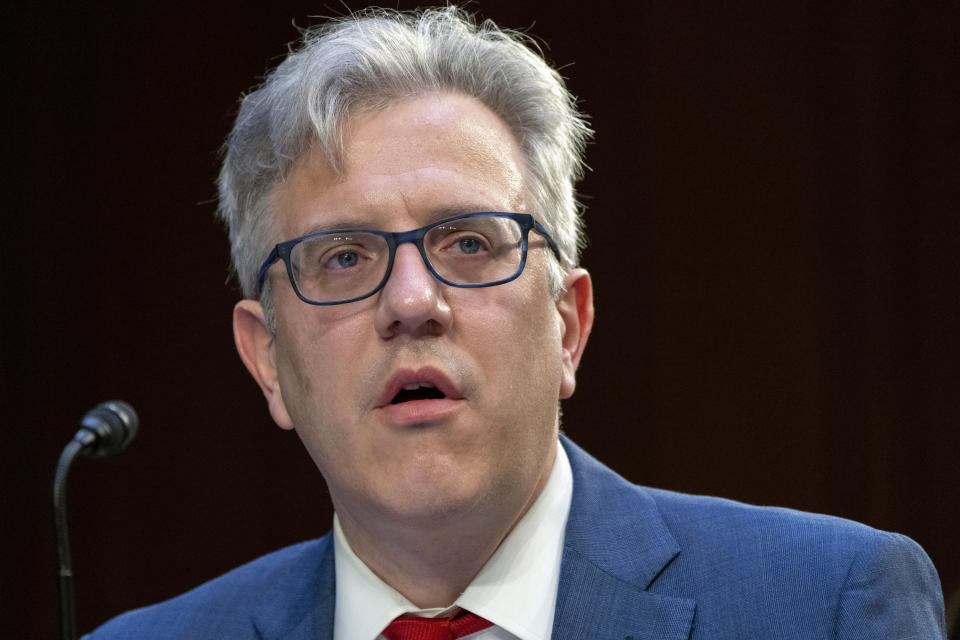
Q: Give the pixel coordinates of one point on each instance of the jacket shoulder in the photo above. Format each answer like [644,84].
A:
[718,522]
[225,606]
[753,572]
[842,577]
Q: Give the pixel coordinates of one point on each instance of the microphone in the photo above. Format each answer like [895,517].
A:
[105,430]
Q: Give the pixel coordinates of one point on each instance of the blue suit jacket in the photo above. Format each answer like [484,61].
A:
[638,564]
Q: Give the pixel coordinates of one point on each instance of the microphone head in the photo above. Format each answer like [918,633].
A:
[108,428]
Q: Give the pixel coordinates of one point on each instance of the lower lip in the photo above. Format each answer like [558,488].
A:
[420,411]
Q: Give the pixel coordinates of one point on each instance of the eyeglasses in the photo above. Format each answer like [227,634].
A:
[469,251]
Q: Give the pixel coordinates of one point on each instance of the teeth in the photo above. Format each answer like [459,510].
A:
[413,386]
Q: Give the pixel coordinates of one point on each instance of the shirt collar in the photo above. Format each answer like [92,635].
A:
[516,589]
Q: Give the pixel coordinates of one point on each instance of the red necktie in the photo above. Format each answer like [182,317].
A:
[417,628]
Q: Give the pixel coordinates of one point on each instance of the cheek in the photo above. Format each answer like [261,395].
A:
[515,335]
[318,351]
[318,374]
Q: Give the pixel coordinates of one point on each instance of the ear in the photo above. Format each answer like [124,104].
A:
[575,306]
[255,343]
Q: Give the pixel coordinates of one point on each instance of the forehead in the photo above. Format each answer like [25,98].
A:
[413,161]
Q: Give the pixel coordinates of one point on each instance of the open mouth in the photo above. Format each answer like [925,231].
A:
[417,392]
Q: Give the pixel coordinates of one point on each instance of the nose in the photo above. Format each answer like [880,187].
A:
[412,301]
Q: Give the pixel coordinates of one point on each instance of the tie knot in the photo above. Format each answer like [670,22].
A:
[416,628]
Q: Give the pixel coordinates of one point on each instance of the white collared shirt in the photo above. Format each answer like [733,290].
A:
[516,589]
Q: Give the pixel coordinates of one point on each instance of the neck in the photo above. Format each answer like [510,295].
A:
[432,560]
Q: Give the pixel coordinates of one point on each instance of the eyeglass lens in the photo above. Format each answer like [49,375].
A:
[467,251]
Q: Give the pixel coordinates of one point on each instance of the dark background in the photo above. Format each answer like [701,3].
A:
[774,243]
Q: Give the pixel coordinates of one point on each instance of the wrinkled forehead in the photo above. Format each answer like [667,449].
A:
[446,127]
[433,154]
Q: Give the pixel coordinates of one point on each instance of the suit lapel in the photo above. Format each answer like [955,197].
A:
[299,605]
[615,546]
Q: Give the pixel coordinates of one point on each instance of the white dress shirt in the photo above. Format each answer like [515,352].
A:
[516,589]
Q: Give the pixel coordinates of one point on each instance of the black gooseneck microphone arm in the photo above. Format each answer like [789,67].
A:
[105,430]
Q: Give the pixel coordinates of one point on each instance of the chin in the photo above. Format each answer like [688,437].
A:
[428,497]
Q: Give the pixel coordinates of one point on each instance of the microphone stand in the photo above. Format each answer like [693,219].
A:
[105,430]
[68,623]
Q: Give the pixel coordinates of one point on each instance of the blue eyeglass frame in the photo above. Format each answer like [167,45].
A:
[394,239]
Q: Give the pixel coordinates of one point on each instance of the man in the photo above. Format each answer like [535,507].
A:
[399,196]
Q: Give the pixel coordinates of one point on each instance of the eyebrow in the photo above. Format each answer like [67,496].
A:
[340,226]
[433,215]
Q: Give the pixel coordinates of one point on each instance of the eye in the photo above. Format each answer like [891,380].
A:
[343,260]
[470,244]
[467,240]
[466,244]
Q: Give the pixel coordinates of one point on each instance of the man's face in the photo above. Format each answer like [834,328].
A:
[500,355]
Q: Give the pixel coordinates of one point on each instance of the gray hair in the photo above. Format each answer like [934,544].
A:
[365,62]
